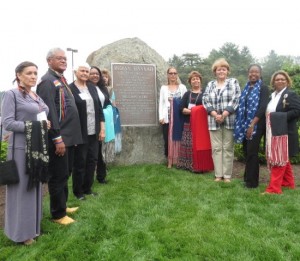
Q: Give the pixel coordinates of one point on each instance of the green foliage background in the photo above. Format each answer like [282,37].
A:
[239,60]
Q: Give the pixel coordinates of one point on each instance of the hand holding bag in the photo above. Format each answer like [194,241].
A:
[8,169]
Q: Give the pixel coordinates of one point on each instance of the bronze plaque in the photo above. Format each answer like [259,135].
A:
[135,89]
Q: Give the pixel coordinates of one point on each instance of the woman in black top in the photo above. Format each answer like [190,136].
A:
[97,79]
[92,129]
[190,100]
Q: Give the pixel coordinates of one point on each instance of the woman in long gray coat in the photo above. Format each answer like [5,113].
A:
[23,209]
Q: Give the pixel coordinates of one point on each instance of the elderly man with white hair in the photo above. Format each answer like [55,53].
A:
[64,118]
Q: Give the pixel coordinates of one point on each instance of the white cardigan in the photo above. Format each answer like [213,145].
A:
[164,103]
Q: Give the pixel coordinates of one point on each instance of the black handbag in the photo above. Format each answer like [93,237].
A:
[8,169]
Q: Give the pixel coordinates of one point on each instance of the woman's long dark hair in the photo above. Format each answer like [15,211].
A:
[100,83]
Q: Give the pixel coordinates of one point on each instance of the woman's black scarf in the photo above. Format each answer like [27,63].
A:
[36,151]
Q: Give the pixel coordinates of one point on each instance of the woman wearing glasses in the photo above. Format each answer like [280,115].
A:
[170,116]
[282,114]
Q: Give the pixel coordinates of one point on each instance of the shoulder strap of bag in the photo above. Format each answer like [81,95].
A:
[13,145]
[0,135]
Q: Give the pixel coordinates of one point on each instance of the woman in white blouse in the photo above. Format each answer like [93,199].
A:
[170,95]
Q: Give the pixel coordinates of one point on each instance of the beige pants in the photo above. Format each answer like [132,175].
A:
[222,152]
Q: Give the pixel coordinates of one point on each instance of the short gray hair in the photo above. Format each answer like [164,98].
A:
[53,51]
[81,64]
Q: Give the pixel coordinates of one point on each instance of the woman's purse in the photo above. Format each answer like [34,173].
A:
[8,169]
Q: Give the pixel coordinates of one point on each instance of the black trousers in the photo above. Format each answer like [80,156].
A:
[251,149]
[59,171]
[101,165]
[85,158]
[165,130]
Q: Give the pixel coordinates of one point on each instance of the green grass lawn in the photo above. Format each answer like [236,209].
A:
[149,212]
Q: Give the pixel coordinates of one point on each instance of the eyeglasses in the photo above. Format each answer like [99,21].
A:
[280,79]
[60,58]
[172,73]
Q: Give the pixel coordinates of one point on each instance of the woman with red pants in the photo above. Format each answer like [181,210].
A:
[282,114]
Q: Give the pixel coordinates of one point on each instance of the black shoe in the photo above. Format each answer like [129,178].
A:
[94,194]
[81,197]
[250,186]
[103,181]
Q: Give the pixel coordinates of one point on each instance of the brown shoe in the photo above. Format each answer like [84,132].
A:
[267,193]
[218,179]
[71,210]
[227,180]
[29,242]
[64,221]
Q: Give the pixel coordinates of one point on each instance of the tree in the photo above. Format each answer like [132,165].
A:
[185,64]
[176,61]
[271,64]
[239,61]
[191,60]
[294,71]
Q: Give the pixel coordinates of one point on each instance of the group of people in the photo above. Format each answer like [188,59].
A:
[200,128]
[77,133]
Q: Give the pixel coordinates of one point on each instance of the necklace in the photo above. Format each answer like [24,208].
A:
[196,97]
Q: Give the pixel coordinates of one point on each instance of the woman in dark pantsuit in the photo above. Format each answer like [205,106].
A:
[92,129]
[250,123]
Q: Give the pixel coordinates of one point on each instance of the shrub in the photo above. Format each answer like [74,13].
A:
[239,153]
[3,151]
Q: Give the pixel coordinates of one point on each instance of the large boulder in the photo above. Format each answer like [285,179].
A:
[130,50]
[139,144]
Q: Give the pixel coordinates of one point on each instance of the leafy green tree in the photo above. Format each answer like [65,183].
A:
[180,64]
[185,64]
[294,71]
[176,61]
[239,60]
[191,60]
[271,64]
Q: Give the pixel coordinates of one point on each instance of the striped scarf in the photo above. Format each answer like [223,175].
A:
[62,98]
[277,152]
[244,115]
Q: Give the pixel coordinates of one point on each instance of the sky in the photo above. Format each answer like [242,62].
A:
[28,29]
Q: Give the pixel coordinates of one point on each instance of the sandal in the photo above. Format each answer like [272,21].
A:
[29,242]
